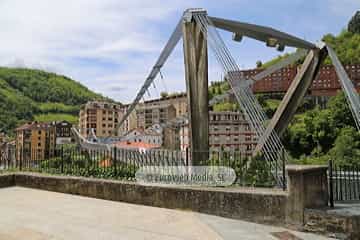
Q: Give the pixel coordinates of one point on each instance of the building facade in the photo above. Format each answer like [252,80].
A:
[35,141]
[150,136]
[326,84]
[130,122]
[63,132]
[102,117]
[149,115]
[228,131]
[179,101]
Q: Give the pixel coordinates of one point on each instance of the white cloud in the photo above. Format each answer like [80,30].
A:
[111,45]
[59,35]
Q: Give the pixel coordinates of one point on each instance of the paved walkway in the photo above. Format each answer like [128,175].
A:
[37,215]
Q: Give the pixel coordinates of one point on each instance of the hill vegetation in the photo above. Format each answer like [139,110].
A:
[27,95]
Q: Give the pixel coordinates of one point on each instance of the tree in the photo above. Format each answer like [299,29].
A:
[346,148]
[354,24]
[340,112]
[164,94]
[259,64]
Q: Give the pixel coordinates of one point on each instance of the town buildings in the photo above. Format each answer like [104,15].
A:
[139,146]
[129,123]
[177,100]
[148,115]
[228,131]
[152,135]
[326,84]
[102,117]
[35,141]
[63,132]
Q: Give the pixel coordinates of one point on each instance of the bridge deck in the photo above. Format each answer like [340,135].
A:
[37,215]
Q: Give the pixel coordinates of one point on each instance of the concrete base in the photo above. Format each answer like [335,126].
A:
[270,206]
[7,180]
[308,188]
[342,222]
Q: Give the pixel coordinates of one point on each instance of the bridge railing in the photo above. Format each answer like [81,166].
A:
[344,182]
[122,164]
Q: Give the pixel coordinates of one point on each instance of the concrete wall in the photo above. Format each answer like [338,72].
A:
[308,188]
[7,180]
[271,206]
[256,205]
[324,221]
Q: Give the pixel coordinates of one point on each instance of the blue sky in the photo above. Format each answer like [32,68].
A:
[111,45]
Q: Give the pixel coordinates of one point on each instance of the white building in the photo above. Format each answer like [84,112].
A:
[152,135]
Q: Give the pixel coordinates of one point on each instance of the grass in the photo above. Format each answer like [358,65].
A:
[56,117]
[58,108]
[273,103]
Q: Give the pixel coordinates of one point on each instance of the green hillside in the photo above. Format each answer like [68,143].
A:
[346,44]
[27,94]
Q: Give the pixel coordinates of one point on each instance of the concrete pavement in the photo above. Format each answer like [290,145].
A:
[37,215]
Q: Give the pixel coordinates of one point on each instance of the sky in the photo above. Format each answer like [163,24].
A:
[110,46]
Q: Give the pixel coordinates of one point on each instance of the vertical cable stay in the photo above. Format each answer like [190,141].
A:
[251,108]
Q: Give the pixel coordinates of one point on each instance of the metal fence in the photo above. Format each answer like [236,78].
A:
[344,183]
[119,163]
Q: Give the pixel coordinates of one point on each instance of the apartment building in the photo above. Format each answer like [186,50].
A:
[102,117]
[130,122]
[179,101]
[63,132]
[326,84]
[35,141]
[228,131]
[148,116]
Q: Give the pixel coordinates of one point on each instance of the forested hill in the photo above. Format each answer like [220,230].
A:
[28,94]
[346,44]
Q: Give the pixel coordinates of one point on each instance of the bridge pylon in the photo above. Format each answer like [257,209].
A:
[196,76]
